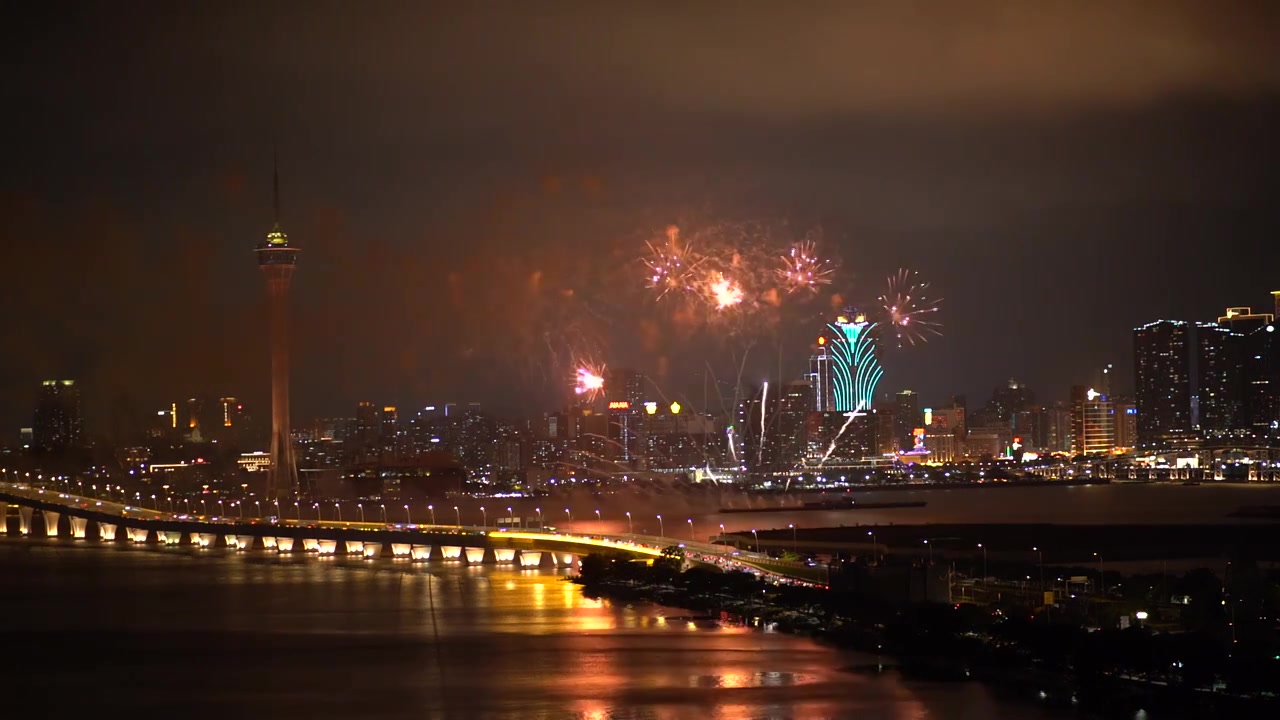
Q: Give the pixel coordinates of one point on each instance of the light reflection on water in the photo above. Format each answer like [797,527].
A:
[247,635]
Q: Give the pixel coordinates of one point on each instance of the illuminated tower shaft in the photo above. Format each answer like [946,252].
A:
[276,259]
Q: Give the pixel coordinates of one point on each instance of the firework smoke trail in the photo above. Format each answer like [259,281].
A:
[909,309]
[836,439]
[764,406]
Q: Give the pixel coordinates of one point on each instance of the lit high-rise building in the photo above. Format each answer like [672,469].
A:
[276,259]
[906,418]
[57,423]
[1162,378]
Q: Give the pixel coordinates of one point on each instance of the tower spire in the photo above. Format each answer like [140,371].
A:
[275,177]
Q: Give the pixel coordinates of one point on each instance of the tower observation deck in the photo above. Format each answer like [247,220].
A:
[276,260]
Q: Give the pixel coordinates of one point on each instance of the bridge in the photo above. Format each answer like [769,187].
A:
[45,512]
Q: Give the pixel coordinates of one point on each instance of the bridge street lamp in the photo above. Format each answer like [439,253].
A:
[539,511]
[568,525]
[1040,555]
[875,555]
[384,513]
[204,507]
[930,547]
[484,517]
[360,509]
[155,503]
[187,502]
[794,544]
[432,508]
[221,509]
[984,563]
[338,509]
[319,517]
[692,536]
[630,528]
[458,514]
[510,516]
[278,513]
[258,504]
[757,537]
[662,532]
[408,515]
[598,518]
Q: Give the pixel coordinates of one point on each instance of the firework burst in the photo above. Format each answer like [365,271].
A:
[909,309]
[803,269]
[588,381]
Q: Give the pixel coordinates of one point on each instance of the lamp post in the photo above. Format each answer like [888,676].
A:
[258,504]
[338,510]
[794,544]
[691,534]
[170,499]
[756,535]
[930,547]
[187,503]
[432,510]
[568,524]
[458,513]
[721,531]
[319,517]
[1102,575]
[511,518]
[662,532]
[278,513]
[408,515]
[484,515]
[539,511]
[296,508]
[240,509]
[221,510]
[631,530]
[155,503]
[875,556]
[360,509]
[204,507]
[1040,555]
[984,563]
[598,518]
[384,513]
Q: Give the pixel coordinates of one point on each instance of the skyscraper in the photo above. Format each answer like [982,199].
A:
[1219,369]
[56,426]
[845,371]
[906,418]
[1162,376]
[276,259]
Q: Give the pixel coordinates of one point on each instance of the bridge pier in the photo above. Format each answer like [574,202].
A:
[401,550]
[51,523]
[328,547]
[530,559]
[24,520]
[269,542]
[138,535]
[284,544]
[566,560]
[372,550]
[169,537]
[244,542]
[310,545]
[450,552]
[503,556]
[106,532]
[475,556]
[420,552]
[79,527]
[355,547]
[207,540]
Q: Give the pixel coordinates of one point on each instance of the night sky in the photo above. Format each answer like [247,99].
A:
[471,187]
